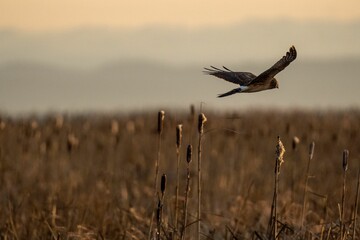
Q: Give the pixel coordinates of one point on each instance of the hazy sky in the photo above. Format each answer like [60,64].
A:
[81,55]
[59,15]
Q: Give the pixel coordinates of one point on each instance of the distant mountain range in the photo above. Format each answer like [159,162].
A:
[246,42]
[147,86]
[139,69]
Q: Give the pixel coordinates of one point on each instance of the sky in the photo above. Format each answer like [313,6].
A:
[50,15]
[117,55]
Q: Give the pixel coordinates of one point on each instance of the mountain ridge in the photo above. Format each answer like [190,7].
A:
[246,42]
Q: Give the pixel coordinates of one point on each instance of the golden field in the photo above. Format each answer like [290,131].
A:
[92,176]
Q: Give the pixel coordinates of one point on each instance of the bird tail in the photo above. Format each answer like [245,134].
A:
[236,90]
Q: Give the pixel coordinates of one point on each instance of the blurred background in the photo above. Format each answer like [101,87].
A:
[101,56]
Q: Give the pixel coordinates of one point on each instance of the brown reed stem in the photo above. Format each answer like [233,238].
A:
[356,204]
[271,219]
[280,151]
[201,122]
[178,145]
[161,116]
[311,155]
[187,190]
[160,126]
[345,167]
[159,210]
[276,190]
[158,219]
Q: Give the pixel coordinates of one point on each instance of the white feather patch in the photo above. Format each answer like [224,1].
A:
[243,88]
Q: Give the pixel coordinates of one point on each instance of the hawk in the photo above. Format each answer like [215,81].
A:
[249,82]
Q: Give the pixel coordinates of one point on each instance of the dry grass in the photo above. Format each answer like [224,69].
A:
[92,177]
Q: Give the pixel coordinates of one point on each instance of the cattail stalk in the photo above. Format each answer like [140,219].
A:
[356,204]
[178,145]
[161,116]
[295,143]
[163,186]
[158,219]
[160,126]
[187,190]
[345,167]
[311,155]
[201,122]
[159,210]
[280,151]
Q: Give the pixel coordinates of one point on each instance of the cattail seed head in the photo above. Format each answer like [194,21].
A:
[202,120]
[114,127]
[345,159]
[2,125]
[295,142]
[189,153]
[280,151]
[59,121]
[178,135]
[311,150]
[163,184]
[34,125]
[161,116]
[72,142]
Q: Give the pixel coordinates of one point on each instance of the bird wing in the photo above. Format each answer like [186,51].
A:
[241,78]
[277,67]
[236,90]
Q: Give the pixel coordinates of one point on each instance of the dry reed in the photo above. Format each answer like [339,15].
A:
[159,211]
[279,160]
[311,155]
[178,146]
[73,210]
[201,121]
[160,126]
[187,190]
[345,168]
[356,205]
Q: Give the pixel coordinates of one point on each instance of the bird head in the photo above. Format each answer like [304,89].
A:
[274,83]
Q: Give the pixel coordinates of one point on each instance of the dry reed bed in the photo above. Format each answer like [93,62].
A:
[92,177]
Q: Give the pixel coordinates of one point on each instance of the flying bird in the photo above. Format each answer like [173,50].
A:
[248,81]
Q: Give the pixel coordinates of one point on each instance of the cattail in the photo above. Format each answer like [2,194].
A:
[178,135]
[311,150]
[189,154]
[72,142]
[178,145]
[356,204]
[161,116]
[59,121]
[34,125]
[130,127]
[280,151]
[159,219]
[345,167]
[160,205]
[2,124]
[114,127]
[202,120]
[295,143]
[163,184]
[187,190]
[345,159]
